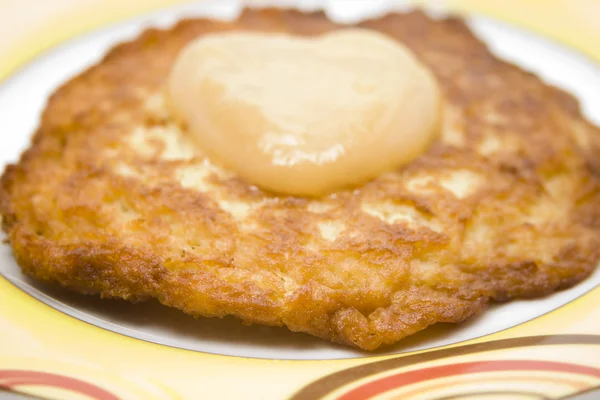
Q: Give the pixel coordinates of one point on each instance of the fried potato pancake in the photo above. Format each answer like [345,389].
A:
[112,199]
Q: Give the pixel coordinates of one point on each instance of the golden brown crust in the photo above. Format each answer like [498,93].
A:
[504,205]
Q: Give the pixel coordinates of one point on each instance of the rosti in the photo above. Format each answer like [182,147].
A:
[112,199]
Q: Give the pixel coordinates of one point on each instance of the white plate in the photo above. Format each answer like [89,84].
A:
[23,97]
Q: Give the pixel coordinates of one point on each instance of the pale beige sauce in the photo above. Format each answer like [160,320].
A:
[305,116]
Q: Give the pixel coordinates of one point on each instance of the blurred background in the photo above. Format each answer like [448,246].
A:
[30,26]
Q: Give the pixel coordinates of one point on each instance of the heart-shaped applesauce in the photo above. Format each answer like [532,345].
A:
[305,116]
